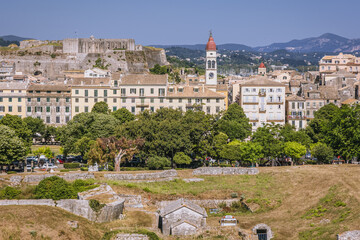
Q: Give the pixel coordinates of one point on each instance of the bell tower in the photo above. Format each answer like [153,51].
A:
[211,64]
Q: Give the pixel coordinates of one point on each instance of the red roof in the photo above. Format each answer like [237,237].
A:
[211,46]
[262,65]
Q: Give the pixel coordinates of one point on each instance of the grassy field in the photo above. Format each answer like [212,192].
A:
[300,202]
[54,148]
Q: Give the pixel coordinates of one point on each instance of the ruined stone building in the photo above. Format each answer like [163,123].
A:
[182,217]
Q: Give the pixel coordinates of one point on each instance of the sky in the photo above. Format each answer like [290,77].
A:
[249,22]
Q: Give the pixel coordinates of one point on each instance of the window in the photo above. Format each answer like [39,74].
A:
[161,92]
[300,124]
[67,118]
[19,108]
[161,100]
[67,99]
[95,93]
[57,119]
[189,100]
[48,99]
[196,89]
[77,109]
[132,90]
[314,104]
[19,99]
[180,100]
[48,109]
[67,109]
[28,109]
[171,89]
[37,91]
[208,110]
[217,109]
[95,100]
[123,92]
[114,109]
[151,100]
[278,90]
[293,123]
[133,100]
[86,109]
[57,109]
[47,119]
[293,105]
[57,99]
[142,92]
[217,100]
[254,90]
[114,100]
[115,83]
[86,93]
[29,100]
[114,91]
[76,100]
[151,90]
[1,99]
[247,90]
[133,109]
[181,89]
[152,109]
[105,93]
[77,91]
[123,100]
[279,107]
[38,99]
[105,100]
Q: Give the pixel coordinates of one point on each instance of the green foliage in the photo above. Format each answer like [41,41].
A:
[111,234]
[157,162]
[234,123]
[181,158]
[36,125]
[9,193]
[101,107]
[20,127]
[232,151]
[294,150]
[95,205]
[218,143]
[71,165]
[11,146]
[157,69]
[82,145]
[44,151]
[123,115]
[100,63]
[85,169]
[54,188]
[323,153]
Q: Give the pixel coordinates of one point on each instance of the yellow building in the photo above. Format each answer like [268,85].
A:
[13,98]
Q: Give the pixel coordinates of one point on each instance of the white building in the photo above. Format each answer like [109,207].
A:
[96,73]
[211,64]
[263,101]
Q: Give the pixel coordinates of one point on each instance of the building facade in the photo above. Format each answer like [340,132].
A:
[296,112]
[12,98]
[330,64]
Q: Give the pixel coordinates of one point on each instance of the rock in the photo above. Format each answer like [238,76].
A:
[73,224]
[15,180]
[193,180]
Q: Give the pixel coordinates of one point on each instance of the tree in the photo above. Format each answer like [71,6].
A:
[101,107]
[218,144]
[20,128]
[11,146]
[251,152]
[294,150]
[322,152]
[234,123]
[123,115]
[113,149]
[50,132]
[181,158]
[46,151]
[287,133]
[83,145]
[36,125]
[232,151]
[156,162]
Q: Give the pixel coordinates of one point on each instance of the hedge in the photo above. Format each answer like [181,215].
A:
[71,165]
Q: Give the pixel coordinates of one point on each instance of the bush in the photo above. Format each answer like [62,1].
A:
[157,162]
[95,205]
[84,169]
[54,188]
[181,158]
[80,185]
[11,172]
[64,170]
[311,162]
[71,165]
[9,193]
[234,195]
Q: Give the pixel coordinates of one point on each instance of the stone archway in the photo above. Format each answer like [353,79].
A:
[37,73]
[263,228]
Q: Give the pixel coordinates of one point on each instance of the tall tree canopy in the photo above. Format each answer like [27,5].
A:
[101,107]
[20,127]
[11,146]
[123,115]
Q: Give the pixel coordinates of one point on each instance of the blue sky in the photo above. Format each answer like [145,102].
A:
[250,22]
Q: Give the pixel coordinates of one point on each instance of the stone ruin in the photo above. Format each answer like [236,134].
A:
[166,175]
[225,171]
[349,235]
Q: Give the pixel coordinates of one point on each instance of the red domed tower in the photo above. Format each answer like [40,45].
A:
[262,69]
[211,65]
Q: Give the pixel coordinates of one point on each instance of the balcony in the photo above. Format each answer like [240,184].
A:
[296,117]
[142,104]
[262,110]
[250,103]
[253,119]
[275,102]
[262,94]
[275,120]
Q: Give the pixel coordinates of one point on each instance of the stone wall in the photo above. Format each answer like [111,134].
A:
[225,171]
[205,203]
[167,174]
[130,236]
[109,212]
[349,235]
[37,178]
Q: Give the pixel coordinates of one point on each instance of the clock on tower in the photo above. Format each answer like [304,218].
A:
[211,64]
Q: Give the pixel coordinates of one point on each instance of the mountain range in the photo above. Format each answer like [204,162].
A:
[13,38]
[327,42]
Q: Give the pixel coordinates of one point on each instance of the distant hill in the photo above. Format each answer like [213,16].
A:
[12,38]
[328,42]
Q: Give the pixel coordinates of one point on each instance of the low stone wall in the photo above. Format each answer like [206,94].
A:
[132,201]
[35,178]
[130,236]
[225,171]
[109,212]
[205,203]
[157,176]
[349,235]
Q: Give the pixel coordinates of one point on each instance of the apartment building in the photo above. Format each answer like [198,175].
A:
[330,64]
[296,112]
[7,70]
[50,102]
[263,101]
[12,98]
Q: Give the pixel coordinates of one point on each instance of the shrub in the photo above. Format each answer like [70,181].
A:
[181,158]
[234,195]
[80,185]
[84,169]
[53,55]
[54,188]
[11,172]
[9,193]
[71,165]
[64,170]
[95,205]
[157,162]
